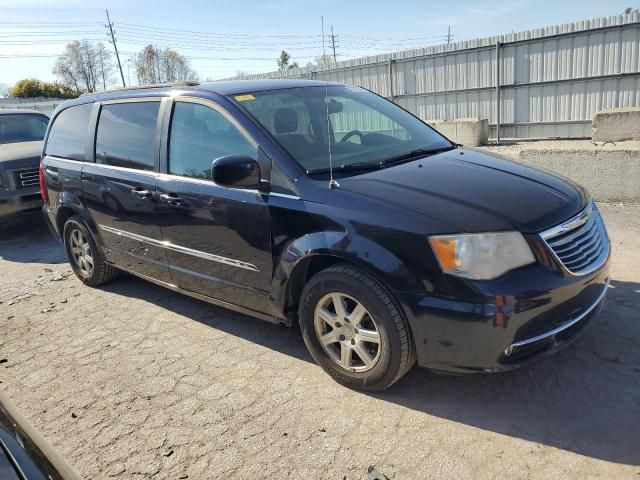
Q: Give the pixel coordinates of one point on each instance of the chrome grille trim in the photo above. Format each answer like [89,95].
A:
[581,244]
[27,178]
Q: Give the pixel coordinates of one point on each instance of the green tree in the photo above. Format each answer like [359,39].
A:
[283,62]
[32,88]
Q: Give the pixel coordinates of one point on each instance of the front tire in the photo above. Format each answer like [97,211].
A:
[86,260]
[354,329]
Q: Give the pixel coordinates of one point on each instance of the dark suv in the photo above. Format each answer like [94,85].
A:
[21,135]
[327,205]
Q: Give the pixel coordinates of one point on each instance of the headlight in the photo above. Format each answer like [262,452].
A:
[481,256]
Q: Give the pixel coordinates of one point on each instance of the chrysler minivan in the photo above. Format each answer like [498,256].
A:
[328,206]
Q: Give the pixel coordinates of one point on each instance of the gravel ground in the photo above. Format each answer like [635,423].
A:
[132,381]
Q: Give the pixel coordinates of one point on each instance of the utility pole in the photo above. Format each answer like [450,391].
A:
[333,44]
[322,26]
[115,47]
[449,35]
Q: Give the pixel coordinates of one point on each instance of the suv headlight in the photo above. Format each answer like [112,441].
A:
[481,256]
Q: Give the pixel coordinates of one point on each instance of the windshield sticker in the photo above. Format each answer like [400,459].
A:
[244,98]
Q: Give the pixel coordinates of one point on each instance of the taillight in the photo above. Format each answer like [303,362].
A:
[43,190]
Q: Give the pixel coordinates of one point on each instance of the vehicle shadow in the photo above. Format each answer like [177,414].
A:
[28,240]
[585,399]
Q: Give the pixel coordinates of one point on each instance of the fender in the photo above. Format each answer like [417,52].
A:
[69,201]
[291,268]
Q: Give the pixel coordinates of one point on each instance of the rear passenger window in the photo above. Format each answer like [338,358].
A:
[126,135]
[200,134]
[68,134]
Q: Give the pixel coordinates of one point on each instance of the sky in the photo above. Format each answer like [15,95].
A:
[222,37]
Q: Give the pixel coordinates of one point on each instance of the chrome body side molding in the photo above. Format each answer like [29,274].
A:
[178,248]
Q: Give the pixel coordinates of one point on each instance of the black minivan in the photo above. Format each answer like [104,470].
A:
[328,205]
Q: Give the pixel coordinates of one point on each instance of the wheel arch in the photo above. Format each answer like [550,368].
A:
[69,205]
[312,253]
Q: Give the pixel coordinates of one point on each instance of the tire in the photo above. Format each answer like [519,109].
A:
[83,253]
[369,366]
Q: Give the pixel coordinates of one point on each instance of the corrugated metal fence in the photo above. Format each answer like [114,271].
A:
[547,82]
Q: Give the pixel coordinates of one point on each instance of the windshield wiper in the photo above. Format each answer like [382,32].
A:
[419,152]
[349,167]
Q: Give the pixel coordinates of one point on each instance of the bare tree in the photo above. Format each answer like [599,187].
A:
[83,65]
[156,65]
[324,61]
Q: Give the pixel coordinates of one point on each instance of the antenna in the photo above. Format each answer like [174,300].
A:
[332,183]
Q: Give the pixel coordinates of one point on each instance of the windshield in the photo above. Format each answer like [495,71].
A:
[22,127]
[363,129]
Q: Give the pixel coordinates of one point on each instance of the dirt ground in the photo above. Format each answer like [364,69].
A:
[131,381]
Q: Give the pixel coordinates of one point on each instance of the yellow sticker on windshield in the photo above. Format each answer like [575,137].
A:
[244,98]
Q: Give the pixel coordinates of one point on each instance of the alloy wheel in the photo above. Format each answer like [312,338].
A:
[347,332]
[81,252]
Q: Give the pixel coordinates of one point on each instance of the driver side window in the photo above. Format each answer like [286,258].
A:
[199,134]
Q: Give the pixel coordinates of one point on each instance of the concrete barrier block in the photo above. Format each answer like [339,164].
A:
[610,173]
[616,125]
[470,132]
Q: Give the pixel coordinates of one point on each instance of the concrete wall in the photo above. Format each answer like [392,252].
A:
[610,173]
[616,125]
[470,132]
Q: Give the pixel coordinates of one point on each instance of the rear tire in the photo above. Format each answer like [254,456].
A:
[86,260]
[354,329]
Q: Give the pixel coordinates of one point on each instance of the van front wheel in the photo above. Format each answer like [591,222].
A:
[354,329]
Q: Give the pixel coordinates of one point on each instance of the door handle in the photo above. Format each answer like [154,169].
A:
[171,199]
[141,194]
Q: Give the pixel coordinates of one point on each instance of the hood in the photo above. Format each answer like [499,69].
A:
[21,154]
[475,191]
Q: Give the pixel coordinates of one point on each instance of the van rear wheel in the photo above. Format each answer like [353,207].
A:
[86,260]
[354,329]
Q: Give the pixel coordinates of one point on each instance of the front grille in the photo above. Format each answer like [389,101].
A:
[26,178]
[581,243]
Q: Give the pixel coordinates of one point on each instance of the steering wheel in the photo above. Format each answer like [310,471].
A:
[351,134]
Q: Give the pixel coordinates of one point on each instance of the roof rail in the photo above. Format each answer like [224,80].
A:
[144,87]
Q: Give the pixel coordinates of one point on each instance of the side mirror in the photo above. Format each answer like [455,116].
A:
[236,171]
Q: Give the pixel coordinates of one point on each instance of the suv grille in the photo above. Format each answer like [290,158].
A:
[581,243]
[26,178]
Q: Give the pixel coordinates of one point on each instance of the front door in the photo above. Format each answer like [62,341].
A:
[119,189]
[218,239]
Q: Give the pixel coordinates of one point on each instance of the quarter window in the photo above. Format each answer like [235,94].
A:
[68,134]
[126,135]
[199,135]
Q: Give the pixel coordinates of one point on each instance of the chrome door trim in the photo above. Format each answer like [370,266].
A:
[562,327]
[150,173]
[284,195]
[179,248]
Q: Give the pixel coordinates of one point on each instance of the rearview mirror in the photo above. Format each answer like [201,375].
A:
[335,106]
[236,171]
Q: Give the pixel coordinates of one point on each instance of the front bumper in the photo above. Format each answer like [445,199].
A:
[22,201]
[526,315]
